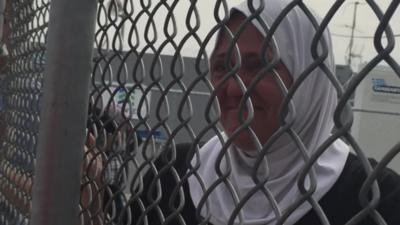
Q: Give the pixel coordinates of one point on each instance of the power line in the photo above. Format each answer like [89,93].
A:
[353,26]
[361,37]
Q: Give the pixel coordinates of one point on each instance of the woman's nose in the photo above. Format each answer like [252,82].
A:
[237,85]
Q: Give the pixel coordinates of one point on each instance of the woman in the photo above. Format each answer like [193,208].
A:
[230,167]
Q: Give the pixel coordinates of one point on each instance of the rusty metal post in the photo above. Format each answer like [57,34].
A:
[56,188]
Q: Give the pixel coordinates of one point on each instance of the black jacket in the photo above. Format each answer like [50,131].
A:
[340,204]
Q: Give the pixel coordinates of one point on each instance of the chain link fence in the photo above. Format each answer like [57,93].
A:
[21,91]
[152,106]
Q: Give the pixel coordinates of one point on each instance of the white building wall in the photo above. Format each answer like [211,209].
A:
[376,124]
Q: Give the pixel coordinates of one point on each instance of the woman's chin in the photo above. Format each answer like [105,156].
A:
[245,143]
[244,140]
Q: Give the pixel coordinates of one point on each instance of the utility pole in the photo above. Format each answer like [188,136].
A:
[352,34]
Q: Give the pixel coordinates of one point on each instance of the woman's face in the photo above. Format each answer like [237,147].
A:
[267,95]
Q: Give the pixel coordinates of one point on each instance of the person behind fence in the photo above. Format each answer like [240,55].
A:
[109,141]
[116,146]
[265,180]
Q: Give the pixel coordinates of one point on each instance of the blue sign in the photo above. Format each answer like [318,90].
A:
[379,85]
[143,134]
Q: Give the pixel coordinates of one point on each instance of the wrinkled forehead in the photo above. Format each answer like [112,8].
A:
[282,33]
[241,33]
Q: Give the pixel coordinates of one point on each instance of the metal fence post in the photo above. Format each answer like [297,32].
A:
[56,188]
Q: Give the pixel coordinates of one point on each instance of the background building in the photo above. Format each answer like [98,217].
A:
[376,110]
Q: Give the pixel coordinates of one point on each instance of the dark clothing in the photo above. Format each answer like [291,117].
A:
[340,204]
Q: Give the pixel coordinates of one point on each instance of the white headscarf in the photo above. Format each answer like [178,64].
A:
[314,103]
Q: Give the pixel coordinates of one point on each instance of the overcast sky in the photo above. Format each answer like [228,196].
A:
[366,24]
[363,48]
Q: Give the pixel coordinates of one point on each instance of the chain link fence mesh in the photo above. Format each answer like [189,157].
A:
[151,109]
[21,91]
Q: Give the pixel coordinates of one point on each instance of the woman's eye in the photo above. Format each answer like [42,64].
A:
[261,66]
[254,64]
[219,67]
